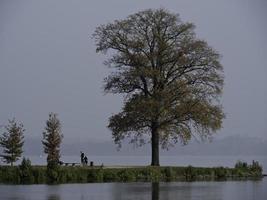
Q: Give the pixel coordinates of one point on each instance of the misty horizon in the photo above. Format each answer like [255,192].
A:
[231,145]
[48,63]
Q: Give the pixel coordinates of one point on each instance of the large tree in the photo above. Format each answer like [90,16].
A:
[171,80]
[12,141]
[52,138]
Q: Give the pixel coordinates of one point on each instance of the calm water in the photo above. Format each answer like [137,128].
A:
[229,190]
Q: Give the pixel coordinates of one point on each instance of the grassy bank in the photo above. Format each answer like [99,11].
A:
[77,174]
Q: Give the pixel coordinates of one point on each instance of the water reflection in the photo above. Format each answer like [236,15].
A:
[155,191]
[53,197]
[245,190]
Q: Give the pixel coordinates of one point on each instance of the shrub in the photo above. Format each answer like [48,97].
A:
[9,174]
[25,171]
[190,173]
[53,172]
[39,174]
[255,167]
[241,165]
[220,172]
[110,175]
[95,175]
[169,173]
[126,175]
[154,174]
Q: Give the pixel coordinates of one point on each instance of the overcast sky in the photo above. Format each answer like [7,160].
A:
[48,61]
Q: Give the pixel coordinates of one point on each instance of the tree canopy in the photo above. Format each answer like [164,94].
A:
[171,80]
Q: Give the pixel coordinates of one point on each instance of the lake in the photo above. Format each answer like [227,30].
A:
[227,190]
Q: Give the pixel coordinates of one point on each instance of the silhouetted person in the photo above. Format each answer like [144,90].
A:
[86,160]
[82,157]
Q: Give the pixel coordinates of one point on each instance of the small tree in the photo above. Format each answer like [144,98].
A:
[12,141]
[52,138]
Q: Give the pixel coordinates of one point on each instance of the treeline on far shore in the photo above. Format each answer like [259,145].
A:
[27,174]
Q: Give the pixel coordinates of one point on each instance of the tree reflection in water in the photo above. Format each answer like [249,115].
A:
[155,191]
[53,197]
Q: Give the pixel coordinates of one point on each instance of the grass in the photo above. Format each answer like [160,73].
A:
[78,174]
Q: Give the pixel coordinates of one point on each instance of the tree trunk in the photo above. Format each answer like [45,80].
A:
[154,146]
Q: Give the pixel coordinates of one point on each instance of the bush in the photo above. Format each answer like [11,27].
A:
[241,165]
[95,175]
[110,175]
[255,167]
[9,174]
[53,172]
[190,174]
[39,174]
[169,174]
[126,175]
[25,172]
[154,174]
[243,169]
[220,172]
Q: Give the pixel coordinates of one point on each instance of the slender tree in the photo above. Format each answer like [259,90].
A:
[52,138]
[171,80]
[12,141]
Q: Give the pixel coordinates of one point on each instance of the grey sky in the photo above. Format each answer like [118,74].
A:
[48,61]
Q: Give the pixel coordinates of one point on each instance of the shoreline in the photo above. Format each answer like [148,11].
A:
[104,174]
